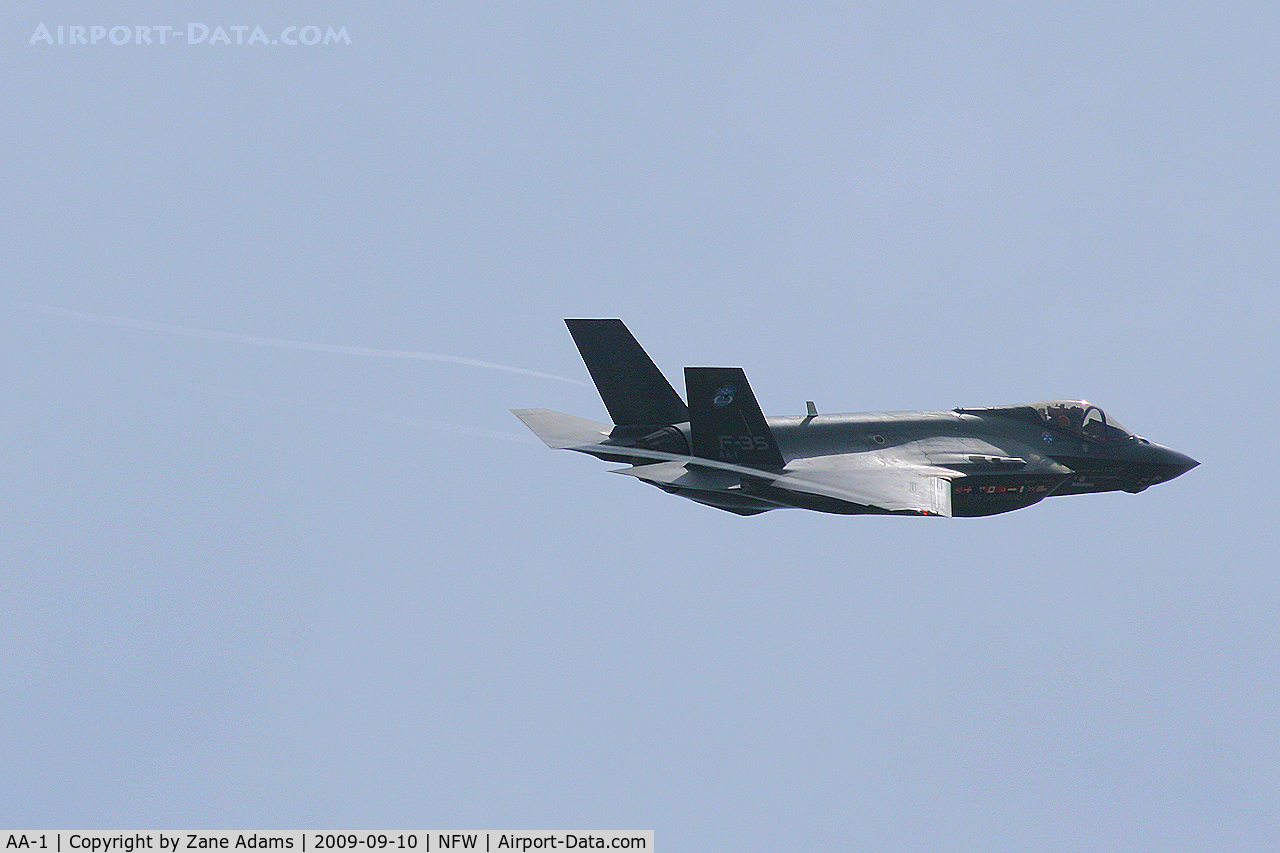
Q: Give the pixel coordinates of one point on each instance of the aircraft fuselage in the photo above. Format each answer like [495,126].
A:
[718,448]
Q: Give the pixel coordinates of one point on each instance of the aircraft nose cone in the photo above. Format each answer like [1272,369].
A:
[1175,463]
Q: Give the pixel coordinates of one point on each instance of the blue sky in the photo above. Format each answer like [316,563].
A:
[254,585]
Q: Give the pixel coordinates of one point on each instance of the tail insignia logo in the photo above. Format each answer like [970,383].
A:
[724,395]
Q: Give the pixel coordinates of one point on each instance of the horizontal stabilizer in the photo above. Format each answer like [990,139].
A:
[559,430]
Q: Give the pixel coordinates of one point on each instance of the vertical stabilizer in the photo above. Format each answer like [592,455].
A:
[725,421]
[633,389]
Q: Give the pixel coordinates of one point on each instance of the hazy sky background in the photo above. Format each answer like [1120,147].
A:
[247,585]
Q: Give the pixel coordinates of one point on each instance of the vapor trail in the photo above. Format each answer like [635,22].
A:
[363,414]
[234,337]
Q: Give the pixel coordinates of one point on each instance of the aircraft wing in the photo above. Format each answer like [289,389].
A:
[874,483]
[888,487]
[879,489]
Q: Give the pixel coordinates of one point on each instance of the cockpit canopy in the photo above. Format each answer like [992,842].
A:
[1082,418]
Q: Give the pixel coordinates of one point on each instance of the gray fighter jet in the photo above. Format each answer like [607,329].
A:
[721,450]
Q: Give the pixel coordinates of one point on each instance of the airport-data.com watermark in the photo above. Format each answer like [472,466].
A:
[193,33]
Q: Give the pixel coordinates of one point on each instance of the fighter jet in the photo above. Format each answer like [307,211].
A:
[719,449]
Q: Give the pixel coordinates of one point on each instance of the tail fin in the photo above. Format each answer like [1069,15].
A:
[725,421]
[633,389]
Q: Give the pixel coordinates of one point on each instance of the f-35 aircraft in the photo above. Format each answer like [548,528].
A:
[722,451]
